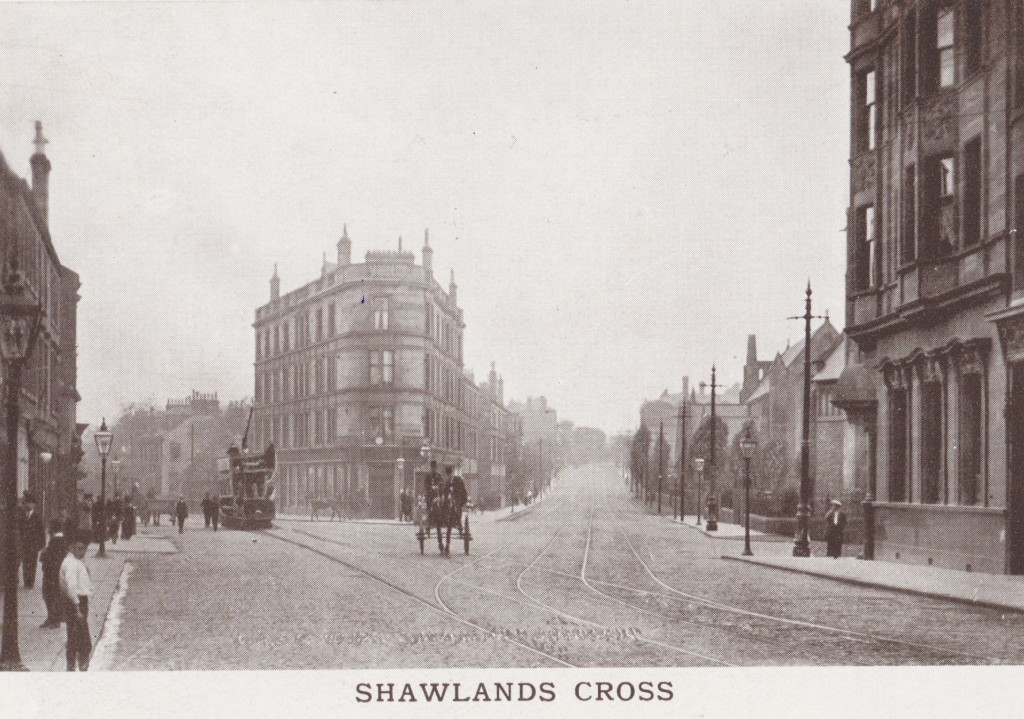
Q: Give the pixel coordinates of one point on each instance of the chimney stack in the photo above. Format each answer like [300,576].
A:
[428,256]
[275,286]
[41,173]
[453,290]
[344,248]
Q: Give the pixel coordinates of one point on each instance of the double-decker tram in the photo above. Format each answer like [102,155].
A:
[247,486]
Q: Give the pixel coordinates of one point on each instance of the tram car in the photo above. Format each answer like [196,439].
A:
[247,501]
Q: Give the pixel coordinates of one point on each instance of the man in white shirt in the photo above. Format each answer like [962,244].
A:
[76,587]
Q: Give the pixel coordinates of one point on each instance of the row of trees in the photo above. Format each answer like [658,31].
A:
[768,467]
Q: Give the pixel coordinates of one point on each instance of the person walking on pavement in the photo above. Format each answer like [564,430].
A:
[53,557]
[31,538]
[114,519]
[76,588]
[181,512]
[214,513]
[206,510]
[835,526]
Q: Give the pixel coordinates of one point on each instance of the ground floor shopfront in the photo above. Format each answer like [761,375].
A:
[367,479]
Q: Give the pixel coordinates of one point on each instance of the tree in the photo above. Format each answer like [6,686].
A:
[638,457]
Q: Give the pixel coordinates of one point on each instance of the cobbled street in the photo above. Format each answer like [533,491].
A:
[587,577]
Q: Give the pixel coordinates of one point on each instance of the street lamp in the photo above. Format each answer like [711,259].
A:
[699,464]
[103,437]
[425,455]
[19,327]
[748,445]
[48,491]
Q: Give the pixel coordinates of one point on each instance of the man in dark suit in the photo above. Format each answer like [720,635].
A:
[835,526]
[31,538]
[181,512]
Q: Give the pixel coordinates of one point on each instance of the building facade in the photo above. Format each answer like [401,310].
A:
[935,272]
[49,439]
[359,383]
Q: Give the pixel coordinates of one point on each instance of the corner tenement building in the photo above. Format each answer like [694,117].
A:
[359,369]
[935,277]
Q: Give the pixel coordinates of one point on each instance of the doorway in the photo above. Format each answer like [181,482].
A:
[1015,474]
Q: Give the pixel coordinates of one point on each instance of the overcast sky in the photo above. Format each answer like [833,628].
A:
[625,190]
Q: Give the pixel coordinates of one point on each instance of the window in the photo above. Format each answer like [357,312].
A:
[931,441]
[175,451]
[972,192]
[284,335]
[382,367]
[865,273]
[867,121]
[939,212]
[898,445]
[909,245]
[945,46]
[970,438]
[331,321]
[382,423]
[380,315]
[277,339]
[319,323]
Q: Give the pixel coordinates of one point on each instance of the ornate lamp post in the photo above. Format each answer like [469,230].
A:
[103,438]
[19,327]
[802,542]
[748,445]
[699,464]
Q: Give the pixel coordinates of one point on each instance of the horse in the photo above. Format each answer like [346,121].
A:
[445,514]
[323,505]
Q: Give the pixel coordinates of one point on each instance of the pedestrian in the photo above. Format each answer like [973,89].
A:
[835,525]
[31,538]
[181,512]
[53,557]
[214,513]
[76,589]
[206,510]
[114,518]
[127,518]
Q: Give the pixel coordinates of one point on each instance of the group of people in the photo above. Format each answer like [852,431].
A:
[66,584]
[211,512]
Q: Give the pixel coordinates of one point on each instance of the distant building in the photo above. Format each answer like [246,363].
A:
[47,426]
[359,374]
[173,451]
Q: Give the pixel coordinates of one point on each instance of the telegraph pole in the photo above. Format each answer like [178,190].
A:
[661,462]
[682,460]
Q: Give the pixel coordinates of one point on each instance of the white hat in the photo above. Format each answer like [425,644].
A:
[837,503]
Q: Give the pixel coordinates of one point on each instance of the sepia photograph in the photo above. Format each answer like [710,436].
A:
[579,357]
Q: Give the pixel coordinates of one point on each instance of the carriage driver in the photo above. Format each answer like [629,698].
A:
[456,486]
[433,483]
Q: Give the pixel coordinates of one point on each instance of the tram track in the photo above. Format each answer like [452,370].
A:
[453,588]
[871,638]
[441,607]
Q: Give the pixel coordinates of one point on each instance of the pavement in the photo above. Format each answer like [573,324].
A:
[996,591]
[43,649]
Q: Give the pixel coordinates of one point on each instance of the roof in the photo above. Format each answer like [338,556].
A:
[834,363]
[762,390]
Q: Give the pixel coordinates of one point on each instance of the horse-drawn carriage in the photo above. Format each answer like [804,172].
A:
[446,499]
